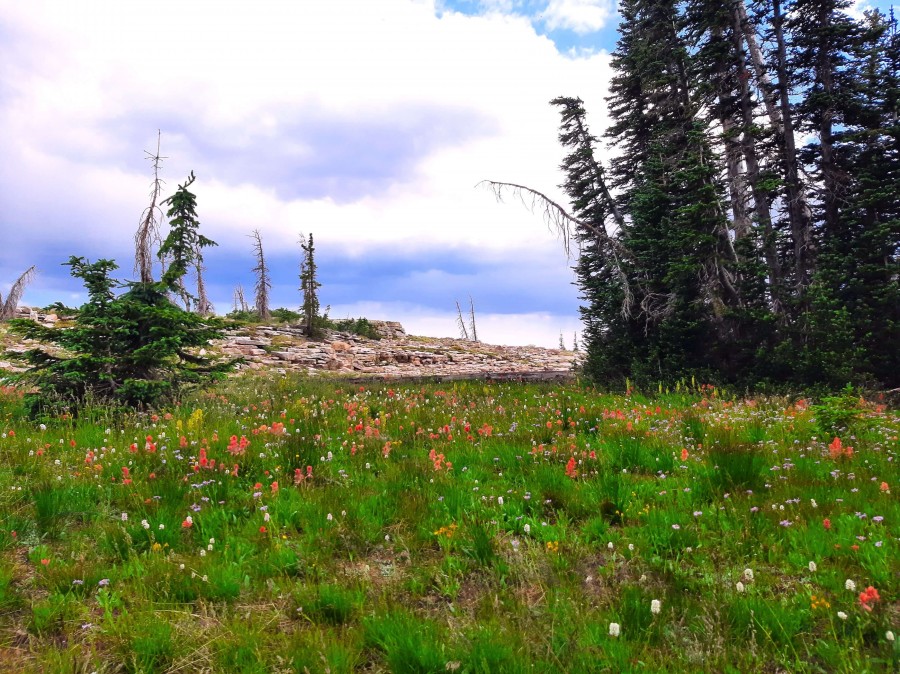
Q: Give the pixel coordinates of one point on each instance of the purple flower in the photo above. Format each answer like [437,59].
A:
[878,518]
[676,527]
[786,523]
[104,582]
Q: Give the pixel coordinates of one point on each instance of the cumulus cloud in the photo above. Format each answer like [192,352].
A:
[581,16]
[366,123]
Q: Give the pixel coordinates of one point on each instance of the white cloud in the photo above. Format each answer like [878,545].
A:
[87,85]
[519,329]
[581,16]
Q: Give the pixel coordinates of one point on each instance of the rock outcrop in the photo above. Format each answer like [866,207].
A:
[395,356]
[400,356]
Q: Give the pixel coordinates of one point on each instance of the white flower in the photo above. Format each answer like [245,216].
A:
[124,517]
[527,528]
[739,587]
[748,574]
[202,552]
[145,524]
[842,615]
[499,500]
[162,526]
[850,585]
[329,517]
[266,517]
[655,606]
[889,636]
[209,547]
[812,567]
[631,547]
[614,629]
[610,545]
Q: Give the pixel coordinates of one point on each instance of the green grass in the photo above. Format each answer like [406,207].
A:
[466,527]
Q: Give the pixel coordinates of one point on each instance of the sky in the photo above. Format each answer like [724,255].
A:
[368,123]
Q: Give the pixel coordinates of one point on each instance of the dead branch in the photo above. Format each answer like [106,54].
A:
[8,310]
[558,218]
[472,319]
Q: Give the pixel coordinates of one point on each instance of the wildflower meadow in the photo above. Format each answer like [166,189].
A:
[278,524]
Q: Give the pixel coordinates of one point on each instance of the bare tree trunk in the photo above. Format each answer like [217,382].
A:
[204,306]
[798,209]
[737,190]
[263,284]
[461,324]
[761,199]
[148,230]
[770,97]
[472,319]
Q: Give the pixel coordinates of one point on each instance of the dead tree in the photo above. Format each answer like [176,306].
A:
[467,332]
[240,304]
[203,307]
[147,234]
[461,324]
[263,283]
[8,308]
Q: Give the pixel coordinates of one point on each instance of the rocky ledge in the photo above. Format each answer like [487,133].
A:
[395,356]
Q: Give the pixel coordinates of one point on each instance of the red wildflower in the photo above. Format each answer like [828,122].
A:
[869,597]
[570,468]
[826,523]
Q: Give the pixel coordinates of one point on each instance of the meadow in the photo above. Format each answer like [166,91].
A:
[279,524]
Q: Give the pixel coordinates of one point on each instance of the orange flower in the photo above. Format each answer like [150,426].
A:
[684,454]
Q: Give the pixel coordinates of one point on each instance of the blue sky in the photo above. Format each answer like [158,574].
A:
[368,123]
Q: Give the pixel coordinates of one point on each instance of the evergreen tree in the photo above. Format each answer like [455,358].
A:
[309,287]
[718,242]
[136,349]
